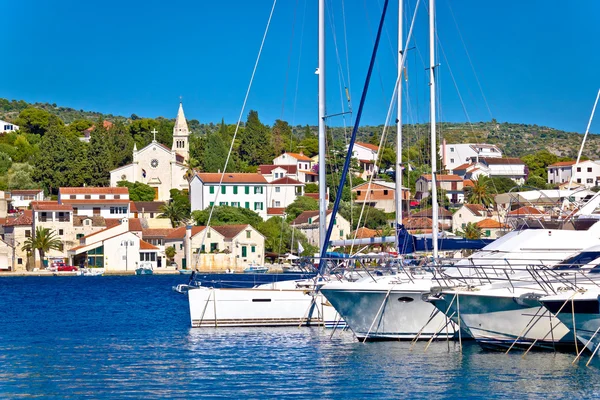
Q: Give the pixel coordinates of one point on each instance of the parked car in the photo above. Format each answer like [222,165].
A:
[61,266]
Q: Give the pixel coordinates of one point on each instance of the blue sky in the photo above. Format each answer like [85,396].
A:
[537,61]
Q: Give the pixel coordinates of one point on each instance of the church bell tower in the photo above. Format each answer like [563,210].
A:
[181,135]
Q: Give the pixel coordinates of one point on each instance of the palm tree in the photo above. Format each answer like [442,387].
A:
[480,192]
[43,241]
[174,212]
[190,168]
[471,231]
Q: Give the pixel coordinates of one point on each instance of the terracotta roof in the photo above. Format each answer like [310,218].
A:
[26,218]
[305,215]
[314,196]
[477,209]
[207,177]
[111,222]
[94,201]
[96,220]
[26,191]
[299,156]
[489,223]
[50,205]
[367,161]
[468,183]
[307,172]
[147,246]
[526,210]
[267,169]
[179,233]
[157,232]
[443,178]
[286,181]
[93,190]
[501,161]
[563,164]
[135,224]
[442,213]
[147,206]
[275,210]
[462,166]
[418,223]
[230,231]
[367,146]
[364,233]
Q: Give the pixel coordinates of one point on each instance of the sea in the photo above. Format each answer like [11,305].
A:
[130,338]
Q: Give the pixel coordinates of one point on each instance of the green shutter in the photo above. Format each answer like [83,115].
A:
[254,249]
[235,190]
[223,189]
[247,189]
[212,190]
[248,204]
[244,251]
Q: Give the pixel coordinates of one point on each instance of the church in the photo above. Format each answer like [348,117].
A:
[158,166]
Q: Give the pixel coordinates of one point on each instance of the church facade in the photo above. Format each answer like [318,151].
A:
[158,166]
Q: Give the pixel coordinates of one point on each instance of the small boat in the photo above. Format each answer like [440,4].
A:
[90,272]
[185,271]
[183,288]
[144,270]
[255,269]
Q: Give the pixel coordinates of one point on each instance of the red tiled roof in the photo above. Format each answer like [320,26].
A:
[299,156]
[367,161]
[50,205]
[305,215]
[179,233]
[267,169]
[94,201]
[157,232]
[314,196]
[208,177]
[365,233]
[275,210]
[307,172]
[111,222]
[93,190]
[461,167]
[443,178]
[26,218]
[135,224]
[418,223]
[468,183]
[477,209]
[563,163]
[147,206]
[286,181]
[489,223]
[147,246]
[367,146]
[26,191]
[526,210]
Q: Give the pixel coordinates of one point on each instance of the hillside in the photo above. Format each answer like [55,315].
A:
[516,140]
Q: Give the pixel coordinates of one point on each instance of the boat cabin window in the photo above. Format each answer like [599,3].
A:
[579,260]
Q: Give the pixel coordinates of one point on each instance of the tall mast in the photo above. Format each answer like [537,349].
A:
[399,126]
[322,133]
[434,210]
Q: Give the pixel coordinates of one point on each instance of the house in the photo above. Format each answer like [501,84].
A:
[513,168]
[58,218]
[452,184]
[380,194]
[275,212]
[157,165]
[586,173]
[107,202]
[274,172]
[6,256]
[492,229]
[366,154]
[245,190]
[415,225]
[455,155]
[220,247]
[444,217]
[7,127]
[283,191]
[150,211]
[116,249]
[302,163]
[87,134]
[16,231]
[84,225]
[468,213]
[308,223]
[21,199]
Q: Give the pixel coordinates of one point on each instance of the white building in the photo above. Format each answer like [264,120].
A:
[237,190]
[107,202]
[586,173]
[21,199]
[454,155]
[7,127]
[58,218]
[158,166]
[282,192]
[366,154]
[468,213]
[302,163]
[513,168]
[308,224]
[274,172]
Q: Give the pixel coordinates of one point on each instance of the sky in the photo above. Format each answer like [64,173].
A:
[533,61]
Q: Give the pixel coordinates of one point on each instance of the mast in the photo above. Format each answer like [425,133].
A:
[399,127]
[322,133]
[434,204]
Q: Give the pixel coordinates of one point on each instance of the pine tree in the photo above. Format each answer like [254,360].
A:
[215,153]
[255,143]
[100,158]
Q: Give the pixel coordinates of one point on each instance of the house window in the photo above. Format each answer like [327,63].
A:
[277,204]
[96,211]
[27,233]
[75,210]
[203,249]
[223,203]
[116,210]
[590,180]
[358,192]
[488,233]
[19,261]
[102,196]
[117,196]
[258,205]
[578,169]
[73,197]
[248,234]
[60,232]
[223,189]
[258,189]
[211,190]
[310,220]
[385,192]
[253,249]
[589,169]
[341,233]
[208,235]
[578,180]
[181,246]
[247,189]
[451,149]
[277,189]
[87,197]
[212,203]
[452,160]
[79,235]
[235,204]
[214,247]
[244,251]
[235,190]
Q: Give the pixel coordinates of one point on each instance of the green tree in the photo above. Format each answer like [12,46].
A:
[227,215]
[5,163]
[51,164]
[37,121]
[536,182]
[100,157]
[170,253]
[43,241]
[387,158]
[299,205]
[471,231]
[182,199]
[20,177]
[372,218]
[311,188]
[255,144]
[215,154]
[138,191]
[174,212]
[281,134]
[278,236]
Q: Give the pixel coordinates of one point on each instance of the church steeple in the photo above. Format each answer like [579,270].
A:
[181,134]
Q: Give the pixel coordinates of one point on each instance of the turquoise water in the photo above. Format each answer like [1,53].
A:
[129,337]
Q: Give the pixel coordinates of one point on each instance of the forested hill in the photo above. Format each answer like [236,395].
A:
[516,140]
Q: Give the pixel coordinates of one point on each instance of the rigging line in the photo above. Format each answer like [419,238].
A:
[352,140]
[335,45]
[289,61]
[470,61]
[347,55]
[237,126]
[297,77]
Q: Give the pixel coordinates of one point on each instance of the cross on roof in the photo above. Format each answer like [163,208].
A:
[154,131]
